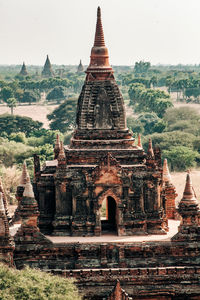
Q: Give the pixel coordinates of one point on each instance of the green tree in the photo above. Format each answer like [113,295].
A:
[181,158]
[56,93]
[173,115]
[11,103]
[151,123]
[149,100]
[166,140]
[6,93]
[13,124]
[141,67]
[30,97]
[135,126]
[63,117]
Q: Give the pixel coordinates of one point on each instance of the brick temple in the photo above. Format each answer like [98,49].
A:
[59,219]
[102,163]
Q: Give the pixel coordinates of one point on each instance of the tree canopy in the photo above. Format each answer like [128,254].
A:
[63,117]
[56,93]
[10,124]
[149,100]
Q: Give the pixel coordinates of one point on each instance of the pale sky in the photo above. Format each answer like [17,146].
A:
[159,31]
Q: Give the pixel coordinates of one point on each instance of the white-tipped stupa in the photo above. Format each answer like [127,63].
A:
[166,174]
[2,209]
[24,175]
[28,191]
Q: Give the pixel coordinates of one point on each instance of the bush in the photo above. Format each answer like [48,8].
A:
[64,116]
[181,158]
[13,124]
[12,152]
[18,137]
[10,179]
[173,115]
[34,284]
[166,140]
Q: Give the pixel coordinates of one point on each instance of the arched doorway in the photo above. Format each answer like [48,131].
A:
[108,215]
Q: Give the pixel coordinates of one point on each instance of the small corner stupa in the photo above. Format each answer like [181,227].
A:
[47,69]
[23,71]
[169,193]
[28,234]
[189,210]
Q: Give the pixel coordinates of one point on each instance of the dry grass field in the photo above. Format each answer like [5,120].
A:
[36,112]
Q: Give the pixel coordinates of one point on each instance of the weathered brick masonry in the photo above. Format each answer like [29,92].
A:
[103,162]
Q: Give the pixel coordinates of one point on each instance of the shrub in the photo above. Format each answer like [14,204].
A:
[34,284]
[10,179]
[181,158]
[166,140]
[13,124]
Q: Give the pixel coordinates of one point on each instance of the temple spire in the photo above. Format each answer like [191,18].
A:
[23,177]
[61,156]
[57,147]
[99,68]
[80,67]
[166,174]
[189,229]
[139,141]
[99,36]
[150,152]
[2,209]
[28,191]
[188,194]
[23,71]
[47,70]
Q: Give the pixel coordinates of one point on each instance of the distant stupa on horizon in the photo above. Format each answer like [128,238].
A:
[80,68]
[47,70]
[23,71]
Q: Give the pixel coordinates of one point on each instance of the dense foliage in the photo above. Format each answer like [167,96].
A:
[34,284]
[149,100]
[14,124]
[173,129]
[64,116]
[56,93]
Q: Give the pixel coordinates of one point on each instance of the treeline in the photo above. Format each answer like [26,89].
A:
[148,100]
[183,80]
[29,91]
[177,134]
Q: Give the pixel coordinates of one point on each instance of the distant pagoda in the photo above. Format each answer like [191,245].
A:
[80,68]
[23,71]
[47,70]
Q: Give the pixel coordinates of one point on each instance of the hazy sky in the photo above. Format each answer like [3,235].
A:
[160,31]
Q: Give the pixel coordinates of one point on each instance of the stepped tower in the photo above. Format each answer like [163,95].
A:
[47,70]
[23,71]
[101,165]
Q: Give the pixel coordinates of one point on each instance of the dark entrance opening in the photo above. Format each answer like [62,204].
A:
[108,221]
